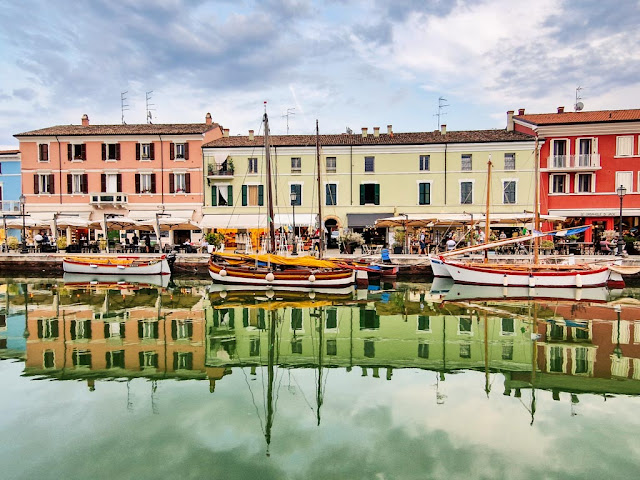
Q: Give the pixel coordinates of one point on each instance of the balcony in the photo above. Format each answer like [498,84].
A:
[573,163]
[219,173]
[101,200]
[10,206]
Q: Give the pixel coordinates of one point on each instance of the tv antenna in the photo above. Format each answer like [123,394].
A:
[123,104]
[290,111]
[441,106]
[149,110]
[578,105]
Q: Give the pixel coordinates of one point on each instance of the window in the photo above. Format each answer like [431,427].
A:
[509,192]
[624,146]
[111,182]
[369,320]
[331,194]
[182,360]
[181,329]
[331,164]
[296,319]
[465,162]
[147,329]
[423,350]
[464,326]
[49,359]
[625,179]
[507,351]
[80,330]
[114,330]
[424,163]
[181,151]
[296,346]
[77,183]
[254,347]
[332,319]
[581,360]
[507,326]
[144,151]
[43,183]
[559,153]
[424,323]
[77,152]
[584,182]
[222,195]
[556,360]
[253,165]
[180,183]
[48,328]
[466,193]
[148,360]
[332,347]
[369,164]
[585,148]
[115,359]
[81,358]
[465,350]
[296,164]
[43,152]
[297,189]
[424,193]
[558,183]
[369,349]
[252,195]
[509,161]
[145,183]
[110,151]
[369,194]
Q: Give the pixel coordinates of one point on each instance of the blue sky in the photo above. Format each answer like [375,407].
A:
[348,63]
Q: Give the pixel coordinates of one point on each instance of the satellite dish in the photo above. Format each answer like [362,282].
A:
[579,106]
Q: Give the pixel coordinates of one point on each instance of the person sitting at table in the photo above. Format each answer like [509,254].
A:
[605,246]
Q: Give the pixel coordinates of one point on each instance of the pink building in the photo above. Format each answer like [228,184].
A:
[131,170]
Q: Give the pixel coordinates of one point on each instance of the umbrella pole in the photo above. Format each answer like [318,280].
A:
[106,232]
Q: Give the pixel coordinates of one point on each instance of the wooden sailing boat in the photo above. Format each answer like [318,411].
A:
[279,271]
[532,274]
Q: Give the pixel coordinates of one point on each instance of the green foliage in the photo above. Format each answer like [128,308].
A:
[13,243]
[546,244]
[62,243]
[215,239]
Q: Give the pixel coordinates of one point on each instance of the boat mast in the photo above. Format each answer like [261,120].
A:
[270,380]
[487,225]
[321,227]
[267,155]
[536,206]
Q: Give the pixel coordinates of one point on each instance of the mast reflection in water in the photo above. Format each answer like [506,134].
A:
[392,367]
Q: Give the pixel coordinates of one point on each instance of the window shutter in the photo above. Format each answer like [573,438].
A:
[171,183]
[45,152]
[117,151]
[137,151]
[244,195]
[103,182]
[172,151]
[85,183]
[138,190]
[261,195]
[107,331]
[214,196]
[245,317]
[73,329]
[36,183]
[190,329]
[361,194]
[119,182]
[52,188]
[69,153]
[153,183]
[140,335]
[87,326]
[152,151]
[187,182]
[376,194]
[230,198]
[83,151]
[104,151]
[69,183]
[174,330]
[186,151]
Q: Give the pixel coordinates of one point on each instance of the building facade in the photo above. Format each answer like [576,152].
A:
[132,170]
[585,157]
[10,187]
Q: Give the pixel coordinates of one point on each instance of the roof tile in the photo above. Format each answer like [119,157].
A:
[136,129]
[601,116]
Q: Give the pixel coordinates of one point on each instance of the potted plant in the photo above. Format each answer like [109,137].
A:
[230,166]
[398,244]
[215,241]
[61,242]
[351,240]
[547,246]
[12,243]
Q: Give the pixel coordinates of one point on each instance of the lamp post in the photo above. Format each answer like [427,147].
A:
[294,199]
[617,350]
[621,191]
[22,199]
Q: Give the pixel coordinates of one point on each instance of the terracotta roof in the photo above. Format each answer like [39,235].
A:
[580,117]
[9,152]
[137,129]
[417,138]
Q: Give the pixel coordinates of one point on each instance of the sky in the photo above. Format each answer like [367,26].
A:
[349,64]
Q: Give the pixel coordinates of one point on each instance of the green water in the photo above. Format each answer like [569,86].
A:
[180,382]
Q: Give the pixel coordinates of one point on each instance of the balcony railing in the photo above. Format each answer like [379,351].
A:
[220,172]
[573,162]
[108,199]
[10,206]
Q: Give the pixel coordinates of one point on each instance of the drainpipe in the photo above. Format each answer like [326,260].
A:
[351,173]
[59,167]
[445,173]
[161,172]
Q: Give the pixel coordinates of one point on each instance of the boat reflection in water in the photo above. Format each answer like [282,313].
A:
[531,340]
[86,279]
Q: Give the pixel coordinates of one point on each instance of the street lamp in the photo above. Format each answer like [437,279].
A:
[617,350]
[622,191]
[22,199]
[294,199]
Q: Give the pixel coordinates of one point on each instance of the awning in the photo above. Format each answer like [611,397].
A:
[234,221]
[170,223]
[302,219]
[151,214]
[364,219]
[597,212]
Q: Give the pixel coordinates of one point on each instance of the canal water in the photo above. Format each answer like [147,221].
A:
[407,381]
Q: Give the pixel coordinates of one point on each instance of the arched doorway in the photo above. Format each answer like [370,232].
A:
[331,227]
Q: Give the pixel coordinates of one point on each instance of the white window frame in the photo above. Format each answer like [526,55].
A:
[48,160]
[592,187]
[418,182]
[109,158]
[513,155]
[473,190]
[145,152]
[182,183]
[462,158]
[325,193]
[51,352]
[219,186]
[334,168]
[428,330]
[373,170]
[515,181]
[73,152]
[76,183]
[619,141]
[301,193]
[504,333]
[252,162]
[179,151]
[566,183]
[297,169]
[370,183]
[464,332]
[43,180]
[428,163]
[620,182]
[256,185]
[145,181]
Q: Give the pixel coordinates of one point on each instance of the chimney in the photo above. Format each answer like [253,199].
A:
[389,129]
[510,120]
[251,135]
[376,131]
[521,111]
[85,120]
[560,109]
[225,132]
[364,132]
[207,119]
[443,129]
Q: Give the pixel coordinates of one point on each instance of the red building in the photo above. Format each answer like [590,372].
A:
[584,158]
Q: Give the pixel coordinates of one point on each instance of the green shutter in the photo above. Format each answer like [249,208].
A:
[261,195]
[376,195]
[230,195]
[214,196]
[361,194]
[244,195]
